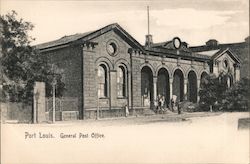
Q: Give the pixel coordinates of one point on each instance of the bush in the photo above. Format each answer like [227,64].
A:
[237,97]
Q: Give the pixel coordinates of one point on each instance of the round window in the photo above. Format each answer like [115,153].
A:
[111,48]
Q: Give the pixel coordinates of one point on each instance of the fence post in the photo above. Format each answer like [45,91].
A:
[54,101]
[39,102]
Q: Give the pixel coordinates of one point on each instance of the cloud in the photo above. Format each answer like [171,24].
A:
[190,18]
[193,20]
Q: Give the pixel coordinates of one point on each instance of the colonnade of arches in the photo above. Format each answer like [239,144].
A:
[169,86]
[163,83]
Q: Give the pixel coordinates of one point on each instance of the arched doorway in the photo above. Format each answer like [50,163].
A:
[147,87]
[163,84]
[192,87]
[178,85]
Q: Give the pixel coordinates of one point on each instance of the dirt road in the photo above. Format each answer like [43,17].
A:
[157,139]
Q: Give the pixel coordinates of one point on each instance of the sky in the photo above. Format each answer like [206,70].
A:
[194,21]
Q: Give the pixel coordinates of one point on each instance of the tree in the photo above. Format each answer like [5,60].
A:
[238,96]
[21,64]
[215,93]
[212,92]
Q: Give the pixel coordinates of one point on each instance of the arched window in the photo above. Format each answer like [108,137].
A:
[121,82]
[102,81]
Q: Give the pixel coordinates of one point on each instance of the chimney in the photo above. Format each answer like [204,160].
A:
[212,42]
[149,40]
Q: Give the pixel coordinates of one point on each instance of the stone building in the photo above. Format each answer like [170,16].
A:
[241,49]
[107,69]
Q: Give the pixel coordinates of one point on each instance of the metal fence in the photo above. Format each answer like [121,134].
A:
[62,104]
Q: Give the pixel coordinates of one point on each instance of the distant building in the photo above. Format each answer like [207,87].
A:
[107,69]
[241,50]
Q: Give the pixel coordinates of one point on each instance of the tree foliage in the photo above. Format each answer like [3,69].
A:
[21,63]
[237,97]
[215,92]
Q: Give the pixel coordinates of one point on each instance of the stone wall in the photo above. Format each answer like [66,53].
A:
[80,65]
[136,79]
[18,112]
[92,57]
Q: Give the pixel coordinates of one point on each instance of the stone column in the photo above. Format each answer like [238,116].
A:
[129,95]
[185,88]
[198,89]
[171,88]
[113,93]
[155,90]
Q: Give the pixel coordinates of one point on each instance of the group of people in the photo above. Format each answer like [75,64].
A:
[160,103]
[161,106]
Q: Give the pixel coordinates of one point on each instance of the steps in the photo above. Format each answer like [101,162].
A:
[148,112]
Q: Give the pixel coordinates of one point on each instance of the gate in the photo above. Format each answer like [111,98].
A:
[66,108]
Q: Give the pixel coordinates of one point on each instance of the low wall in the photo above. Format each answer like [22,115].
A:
[63,115]
[18,112]
[111,113]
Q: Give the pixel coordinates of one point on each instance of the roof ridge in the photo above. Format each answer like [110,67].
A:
[69,38]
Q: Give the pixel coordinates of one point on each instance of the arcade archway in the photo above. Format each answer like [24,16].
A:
[178,85]
[192,87]
[147,86]
[163,84]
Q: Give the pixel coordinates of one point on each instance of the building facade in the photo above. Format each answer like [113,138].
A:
[108,69]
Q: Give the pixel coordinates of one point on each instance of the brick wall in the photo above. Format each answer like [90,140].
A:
[69,59]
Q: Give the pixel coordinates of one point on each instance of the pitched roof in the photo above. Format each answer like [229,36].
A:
[163,48]
[213,54]
[209,53]
[231,54]
[173,53]
[170,45]
[161,44]
[89,35]
[62,40]
[214,47]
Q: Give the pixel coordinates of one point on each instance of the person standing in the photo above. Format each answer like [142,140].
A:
[178,107]
[158,103]
[162,102]
[126,111]
[172,104]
